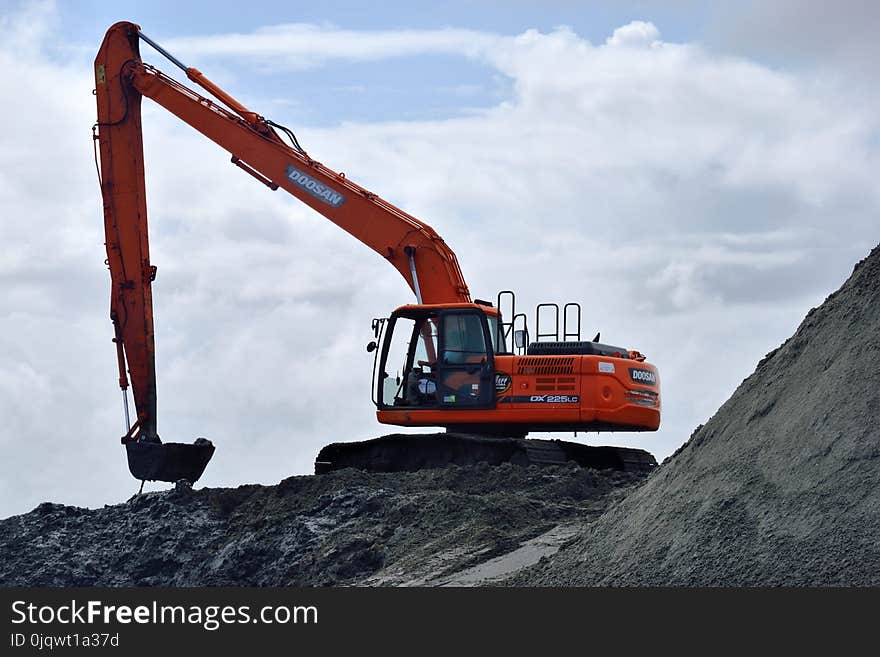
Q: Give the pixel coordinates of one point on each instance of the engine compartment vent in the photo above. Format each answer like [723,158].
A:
[530,366]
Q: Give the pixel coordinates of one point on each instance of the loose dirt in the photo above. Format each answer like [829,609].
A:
[345,527]
[780,487]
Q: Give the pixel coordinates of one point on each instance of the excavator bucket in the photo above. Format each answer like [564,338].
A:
[156,461]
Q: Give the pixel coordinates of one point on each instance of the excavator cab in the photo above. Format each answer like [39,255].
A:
[436,357]
[460,366]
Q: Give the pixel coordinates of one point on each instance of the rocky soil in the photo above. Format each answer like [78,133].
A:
[341,528]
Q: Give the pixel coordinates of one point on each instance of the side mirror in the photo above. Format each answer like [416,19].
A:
[372,346]
[519,339]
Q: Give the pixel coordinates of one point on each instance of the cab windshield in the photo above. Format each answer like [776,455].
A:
[436,359]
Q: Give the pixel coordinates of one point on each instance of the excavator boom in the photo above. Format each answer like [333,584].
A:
[428,265]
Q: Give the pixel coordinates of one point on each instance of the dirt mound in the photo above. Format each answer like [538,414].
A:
[780,487]
[345,527]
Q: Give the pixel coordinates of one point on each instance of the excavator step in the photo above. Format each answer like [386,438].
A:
[411,452]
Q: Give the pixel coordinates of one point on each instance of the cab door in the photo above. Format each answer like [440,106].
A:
[465,363]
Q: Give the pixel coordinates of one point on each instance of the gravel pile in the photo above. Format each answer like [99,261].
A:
[780,487]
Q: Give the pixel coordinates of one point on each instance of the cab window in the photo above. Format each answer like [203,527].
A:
[463,339]
[464,376]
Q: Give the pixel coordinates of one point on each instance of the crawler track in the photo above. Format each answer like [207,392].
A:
[411,452]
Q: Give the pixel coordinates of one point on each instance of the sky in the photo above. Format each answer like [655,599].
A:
[696,177]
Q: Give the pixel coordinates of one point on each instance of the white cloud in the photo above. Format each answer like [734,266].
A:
[304,45]
[26,30]
[697,205]
[636,34]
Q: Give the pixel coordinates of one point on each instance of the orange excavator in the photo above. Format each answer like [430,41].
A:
[445,361]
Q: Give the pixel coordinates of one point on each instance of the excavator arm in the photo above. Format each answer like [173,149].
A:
[421,256]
